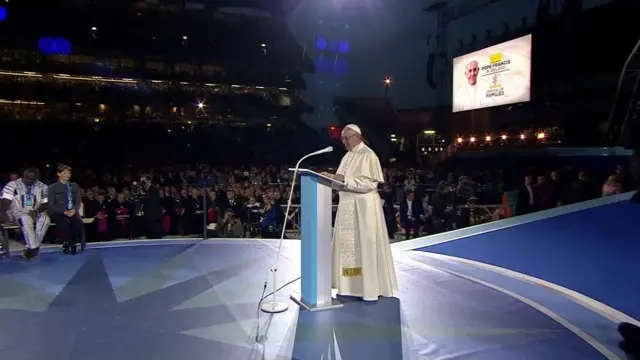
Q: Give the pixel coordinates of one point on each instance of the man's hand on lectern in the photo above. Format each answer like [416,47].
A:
[336,177]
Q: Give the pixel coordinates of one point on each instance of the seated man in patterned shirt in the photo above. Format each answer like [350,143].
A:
[26,199]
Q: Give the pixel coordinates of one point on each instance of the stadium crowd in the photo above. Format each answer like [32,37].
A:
[250,201]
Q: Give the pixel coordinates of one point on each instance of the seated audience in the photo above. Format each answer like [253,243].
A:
[437,201]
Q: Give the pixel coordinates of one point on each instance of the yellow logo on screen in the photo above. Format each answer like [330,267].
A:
[497,57]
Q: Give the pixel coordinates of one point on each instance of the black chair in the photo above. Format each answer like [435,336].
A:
[5,250]
[252,225]
[83,232]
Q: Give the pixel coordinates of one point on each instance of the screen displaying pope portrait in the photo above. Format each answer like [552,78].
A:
[497,75]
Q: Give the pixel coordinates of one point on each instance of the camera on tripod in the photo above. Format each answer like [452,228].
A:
[137,192]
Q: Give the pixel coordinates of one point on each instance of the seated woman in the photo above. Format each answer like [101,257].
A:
[611,186]
[254,216]
[269,220]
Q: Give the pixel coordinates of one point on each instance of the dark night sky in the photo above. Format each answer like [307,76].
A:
[389,38]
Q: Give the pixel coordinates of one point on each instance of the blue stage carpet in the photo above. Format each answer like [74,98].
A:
[194,300]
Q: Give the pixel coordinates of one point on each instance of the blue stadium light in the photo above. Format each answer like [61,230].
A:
[340,67]
[322,64]
[47,46]
[321,43]
[63,46]
[57,46]
[343,47]
[3,14]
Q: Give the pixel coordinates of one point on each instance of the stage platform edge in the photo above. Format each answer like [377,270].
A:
[580,250]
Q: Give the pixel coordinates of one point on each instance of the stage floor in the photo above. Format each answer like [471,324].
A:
[197,300]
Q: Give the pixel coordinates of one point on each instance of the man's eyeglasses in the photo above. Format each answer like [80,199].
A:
[346,138]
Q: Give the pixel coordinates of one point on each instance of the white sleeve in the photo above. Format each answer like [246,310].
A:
[44,196]
[9,191]
[370,173]
[360,184]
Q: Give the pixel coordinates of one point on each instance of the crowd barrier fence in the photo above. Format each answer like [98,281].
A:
[478,214]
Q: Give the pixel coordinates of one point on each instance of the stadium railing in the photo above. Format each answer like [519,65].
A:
[479,214]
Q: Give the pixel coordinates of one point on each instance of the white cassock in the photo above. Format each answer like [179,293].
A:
[362,262]
[467,98]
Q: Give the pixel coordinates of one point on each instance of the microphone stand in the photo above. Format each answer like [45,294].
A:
[273,306]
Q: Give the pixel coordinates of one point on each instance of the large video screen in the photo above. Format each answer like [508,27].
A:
[497,75]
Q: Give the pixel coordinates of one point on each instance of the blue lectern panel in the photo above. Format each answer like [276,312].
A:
[309,238]
[315,223]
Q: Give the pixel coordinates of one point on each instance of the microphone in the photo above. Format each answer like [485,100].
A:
[328,149]
[274,306]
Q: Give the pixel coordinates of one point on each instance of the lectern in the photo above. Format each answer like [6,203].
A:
[315,235]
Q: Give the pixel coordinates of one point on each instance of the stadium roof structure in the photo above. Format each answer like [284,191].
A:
[245,36]
[380,115]
[378,119]
[258,8]
[366,111]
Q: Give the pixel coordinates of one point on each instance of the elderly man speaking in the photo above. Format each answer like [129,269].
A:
[362,262]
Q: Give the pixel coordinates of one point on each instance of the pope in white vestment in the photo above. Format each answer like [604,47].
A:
[468,96]
[362,261]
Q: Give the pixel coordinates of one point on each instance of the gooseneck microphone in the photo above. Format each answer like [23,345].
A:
[328,149]
[273,306]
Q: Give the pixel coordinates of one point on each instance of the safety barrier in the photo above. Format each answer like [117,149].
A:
[479,214]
